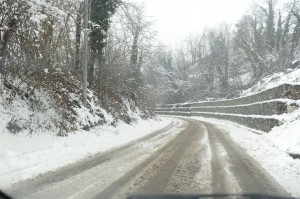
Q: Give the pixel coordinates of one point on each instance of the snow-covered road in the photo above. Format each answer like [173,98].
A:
[24,156]
[189,156]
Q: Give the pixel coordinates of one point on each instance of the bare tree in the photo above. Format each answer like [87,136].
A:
[139,35]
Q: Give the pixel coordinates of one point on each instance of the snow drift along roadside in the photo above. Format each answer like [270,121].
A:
[24,156]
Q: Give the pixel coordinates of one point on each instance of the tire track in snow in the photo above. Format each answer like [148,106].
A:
[233,170]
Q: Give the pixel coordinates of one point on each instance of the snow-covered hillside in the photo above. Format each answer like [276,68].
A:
[40,112]
[55,104]
[291,76]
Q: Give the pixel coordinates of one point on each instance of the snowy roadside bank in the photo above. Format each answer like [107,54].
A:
[25,156]
[269,150]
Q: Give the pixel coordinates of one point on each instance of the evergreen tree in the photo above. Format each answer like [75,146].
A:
[100,13]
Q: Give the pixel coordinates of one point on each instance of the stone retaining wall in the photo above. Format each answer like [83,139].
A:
[263,108]
[255,123]
[251,109]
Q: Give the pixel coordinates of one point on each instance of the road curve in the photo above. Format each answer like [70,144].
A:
[186,157]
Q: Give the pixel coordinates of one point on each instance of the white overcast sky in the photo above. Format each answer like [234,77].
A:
[175,19]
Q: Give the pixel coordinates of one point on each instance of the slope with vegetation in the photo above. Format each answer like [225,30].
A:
[40,65]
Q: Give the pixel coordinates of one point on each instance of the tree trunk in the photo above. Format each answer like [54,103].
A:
[134,61]
[91,69]
[296,35]
[6,37]
[78,33]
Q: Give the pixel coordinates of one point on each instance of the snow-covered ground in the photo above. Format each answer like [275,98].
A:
[24,156]
[291,76]
[270,150]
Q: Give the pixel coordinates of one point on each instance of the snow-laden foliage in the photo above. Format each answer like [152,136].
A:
[36,33]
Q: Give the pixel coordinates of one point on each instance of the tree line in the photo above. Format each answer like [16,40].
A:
[124,55]
[40,34]
[222,61]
